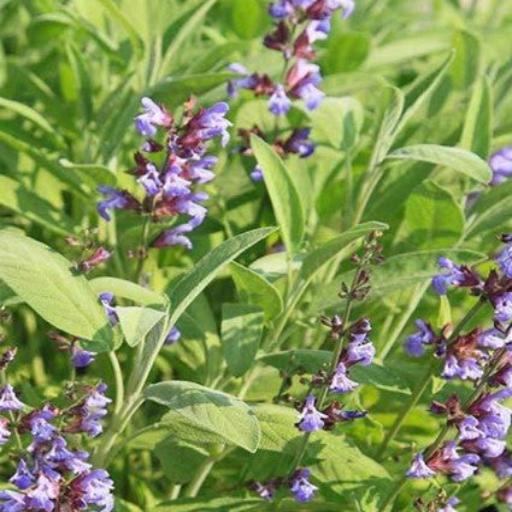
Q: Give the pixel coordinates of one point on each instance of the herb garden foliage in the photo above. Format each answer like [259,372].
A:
[255,255]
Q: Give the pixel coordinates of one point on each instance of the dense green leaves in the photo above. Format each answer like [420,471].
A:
[457,159]
[210,410]
[283,194]
[46,281]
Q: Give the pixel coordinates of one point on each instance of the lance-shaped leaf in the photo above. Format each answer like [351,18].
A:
[45,280]
[210,410]
[284,196]
[457,159]
[136,322]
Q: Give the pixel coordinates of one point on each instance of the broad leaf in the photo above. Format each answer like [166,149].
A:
[45,280]
[255,289]
[242,328]
[283,194]
[457,159]
[92,174]
[210,410]
[136,322]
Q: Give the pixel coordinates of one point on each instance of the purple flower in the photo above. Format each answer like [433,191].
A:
[266,491]
[247,81]
[359,353]
[279,103]
[11,501]
[492,338]
[280,9]
[4,431]
[302,489]
[93,488]
[38,423]
[310,419]
[23,478]
[173,336]
[90,412]
[302,80]
[502,465]
[211,123]
[340,383]
[468,428]
[454,276]
[465,369]
[503,307]
[501,165]
[299,143]
[8,400]
[115,200]
[107,301]
[201,170]
[43,495]
[150,180]
[318,30]
[153,116]
[100,255]
[450,504]
[257,174]
[490,447]
[419,468]
[348,7]
[81,358]
[504,260]
[415,344]
[464,467]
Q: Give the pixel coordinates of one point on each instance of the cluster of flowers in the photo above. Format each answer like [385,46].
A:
[170,186]
[50,475]
[482,356]
[298,25]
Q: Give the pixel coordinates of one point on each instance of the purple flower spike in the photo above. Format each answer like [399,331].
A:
[419,468]
[310,419]
[279,103]
[4,431]
[501,165]
[94,489]
[340,382]
[81,358]
[8,400]
[302,489]
[415,344]
[504,260]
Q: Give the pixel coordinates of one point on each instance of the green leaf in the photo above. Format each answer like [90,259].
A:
[255,289]
[319,257]
[338,122]
[180,460]
[28,113]
[192,284]
[242,328]
[457,159]
[477,132]
[433,218]
[300,360]
[421,90]
[18,198]
[210,410]
[346,52]
[466,66]
[284,196]
[136,322]
[215,504]
[248,17]
[46,282]
[192,25]
[91,174]
[117,14]
[128,290]
[492,211]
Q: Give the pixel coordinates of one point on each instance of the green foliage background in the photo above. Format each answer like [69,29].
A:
[405,79]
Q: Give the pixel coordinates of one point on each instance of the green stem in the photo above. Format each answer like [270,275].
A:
[143,248]
[118,377]
[202,473]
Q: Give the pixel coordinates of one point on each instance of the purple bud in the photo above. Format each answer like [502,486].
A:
[173,336]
